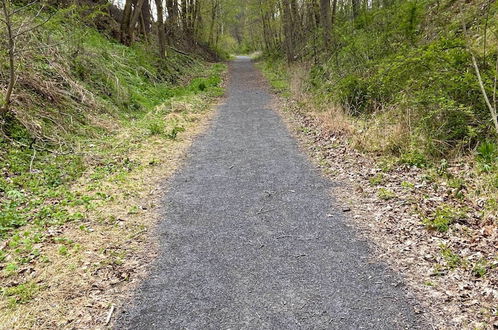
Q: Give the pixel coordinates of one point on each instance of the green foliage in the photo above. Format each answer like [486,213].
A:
[413,158]
[156,128]
[411,59]
[174,132]
[453,260]
[91,79]
[407,185]
[20,294]
[480,268]
[385,194]
[443,217]
[487,155]
[377,179]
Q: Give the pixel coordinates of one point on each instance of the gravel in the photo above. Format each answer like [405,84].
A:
[252,239]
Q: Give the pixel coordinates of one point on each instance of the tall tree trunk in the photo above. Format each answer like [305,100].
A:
[6,7]
[355,4]
[326,22]
[134,19]
[160,28]
[125,22]
[172,20]
[214,13]
[332,22]
[196,17]
[287,20]
[147,17]
[295,22]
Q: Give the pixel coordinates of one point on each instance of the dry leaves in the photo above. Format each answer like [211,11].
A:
[453,273]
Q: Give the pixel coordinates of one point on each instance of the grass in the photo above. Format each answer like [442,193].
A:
[20,294]
[68,251]
[67,168]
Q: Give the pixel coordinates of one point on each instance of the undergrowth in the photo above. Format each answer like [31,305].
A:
[77,88]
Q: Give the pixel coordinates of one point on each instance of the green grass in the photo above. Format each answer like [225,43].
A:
[108,88]
[20,294]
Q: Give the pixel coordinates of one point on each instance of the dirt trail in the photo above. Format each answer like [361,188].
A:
[251,238]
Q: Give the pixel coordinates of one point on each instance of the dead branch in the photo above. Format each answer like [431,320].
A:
[492,109]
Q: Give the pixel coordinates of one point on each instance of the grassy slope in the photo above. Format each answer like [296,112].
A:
[96,126]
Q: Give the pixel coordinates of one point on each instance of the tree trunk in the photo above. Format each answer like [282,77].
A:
[125,22]
[287,20]
[326,22]
[11,44]
[134,19]
[356,7]
[214,13]
[160,28]
[172,20]
[332,22]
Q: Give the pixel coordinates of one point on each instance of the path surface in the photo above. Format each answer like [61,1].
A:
[248,241]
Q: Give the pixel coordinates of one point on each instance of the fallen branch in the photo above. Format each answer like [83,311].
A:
[109,315]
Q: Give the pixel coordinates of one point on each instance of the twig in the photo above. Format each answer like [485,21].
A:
[492,110]
[137,234]
[34,27]
[32,160]
[23,7]
[109,315]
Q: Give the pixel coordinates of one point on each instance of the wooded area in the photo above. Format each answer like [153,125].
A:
[399,97]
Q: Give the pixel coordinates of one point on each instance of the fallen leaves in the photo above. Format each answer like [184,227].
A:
[452,267]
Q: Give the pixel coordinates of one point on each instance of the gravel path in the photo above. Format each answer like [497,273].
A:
[252,240]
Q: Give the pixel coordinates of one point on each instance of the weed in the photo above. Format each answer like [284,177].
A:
[377,179]
[11,268]
[413,158]
[174,132]
[385,194]
[63,251]
[443,217]
[134,210]
[458,184]
[452,259]
[156,128]
[21,293]
[408,185]
[480,268]
[487,155]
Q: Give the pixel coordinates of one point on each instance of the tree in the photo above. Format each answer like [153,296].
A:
[287,22]
[160,28]
[13,33]
[326,22]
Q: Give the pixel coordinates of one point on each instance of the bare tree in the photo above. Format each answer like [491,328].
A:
[13,32]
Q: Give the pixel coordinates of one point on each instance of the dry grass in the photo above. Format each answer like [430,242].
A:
[94,264]
[334,119]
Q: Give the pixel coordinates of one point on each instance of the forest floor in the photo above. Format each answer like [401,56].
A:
[453,273]
[251,237]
